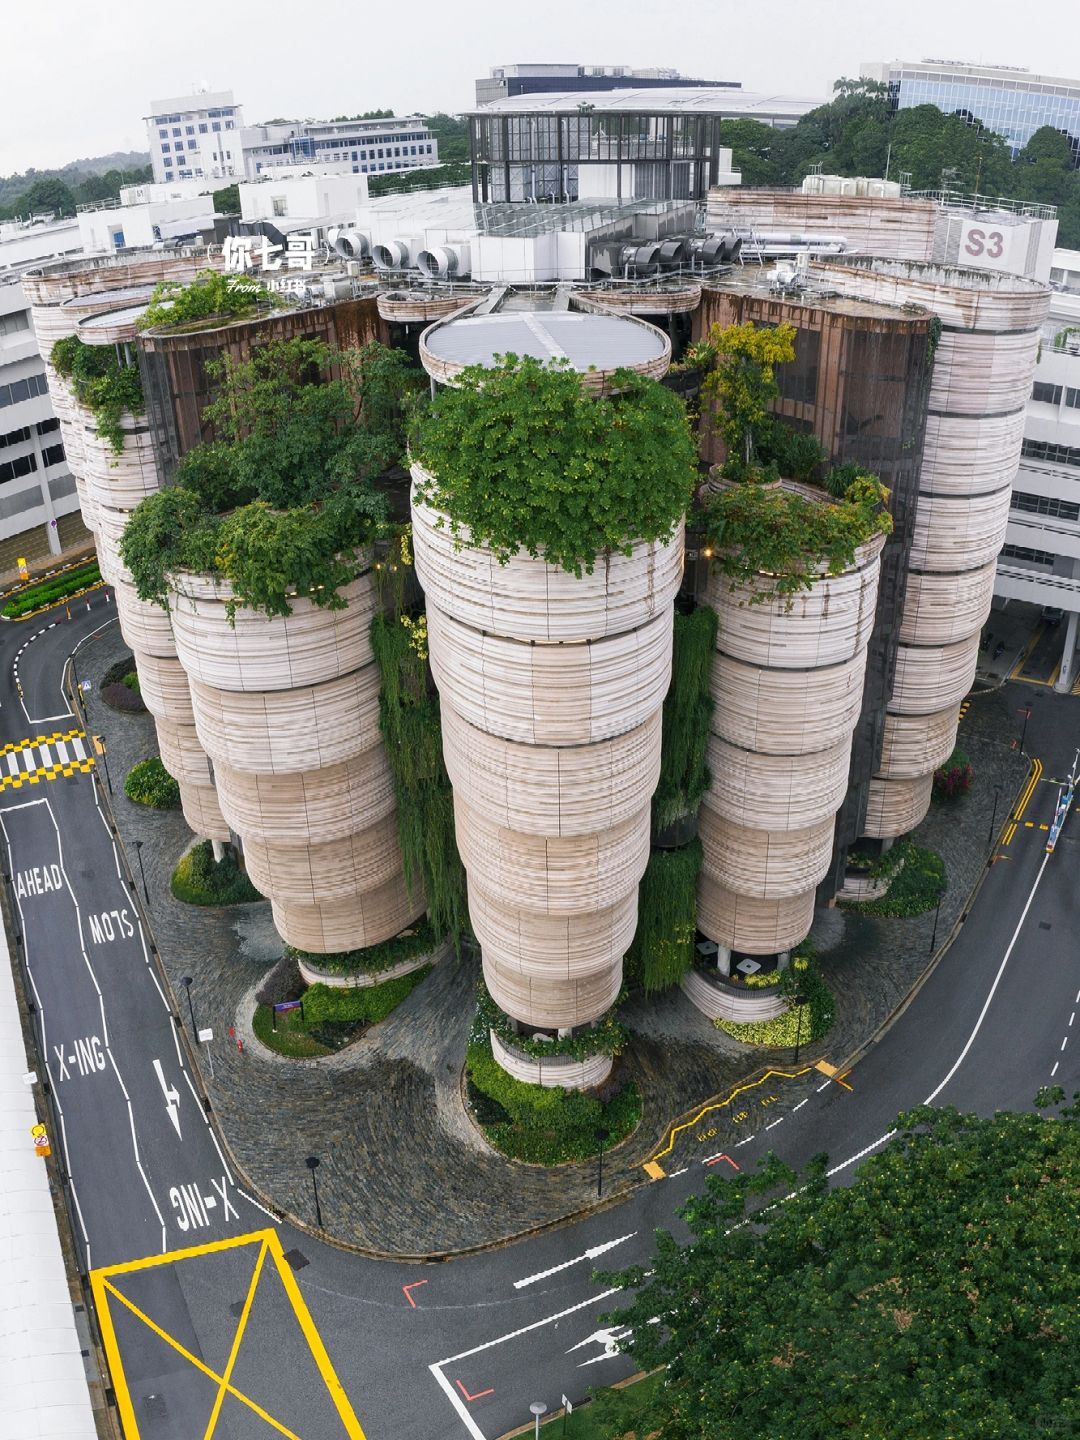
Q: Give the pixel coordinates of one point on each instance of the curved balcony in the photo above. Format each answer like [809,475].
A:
[750,925]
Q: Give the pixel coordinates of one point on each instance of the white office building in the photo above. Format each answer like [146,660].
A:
[358,147]
[196,137]
[1041,558]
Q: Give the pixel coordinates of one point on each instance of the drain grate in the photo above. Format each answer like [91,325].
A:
[237,1309]
[1044,924]
[297,1259]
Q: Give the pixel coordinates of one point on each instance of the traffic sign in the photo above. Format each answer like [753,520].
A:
[40,1137]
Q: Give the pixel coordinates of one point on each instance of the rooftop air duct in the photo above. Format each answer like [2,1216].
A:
[352,245]
[444,262]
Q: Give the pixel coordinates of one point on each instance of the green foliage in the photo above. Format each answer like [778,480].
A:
[49,592]
[522,458]
[740,380]
[289,1037]
[784,452]
[918,886]
[688,706]
[778,542]
[101,383]
[47,195]
[614,1412]
[452,133]
[954,778]
[456,172]
[412,733]
[149,783]
[876,866]
[421,939]
[605,1037]
[301,431]
[663,947]
[199,879]
[85,182]
[227,200]
[801,978]
[543,1125]
[936,1294]
[212,293]
[840,479]
[367,1004]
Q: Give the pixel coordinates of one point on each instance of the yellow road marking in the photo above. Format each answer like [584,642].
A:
[43,740]
[826,1068]
[235,1351]
[719,1104]
[1029,824]
[654,1171]
[1025,796]
[1014,673]
[1041,827]
[269,1244]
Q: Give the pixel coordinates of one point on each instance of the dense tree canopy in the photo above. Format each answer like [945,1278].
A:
[858,133]
[59,191]
[936,1295]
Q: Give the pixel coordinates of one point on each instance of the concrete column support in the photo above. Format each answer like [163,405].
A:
[1063,684]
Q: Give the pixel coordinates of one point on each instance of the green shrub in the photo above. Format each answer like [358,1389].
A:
[51,591]
[544,1125]
[199,879]
[688,707]
[288,1037]
[802,977]
[918,886]
[101,383]
[131,680]
[149,783]
[120,697]
[954,778]
[421,939]
[663,947]
[606,1037]
[522,457]
[368,1004]
[212,292]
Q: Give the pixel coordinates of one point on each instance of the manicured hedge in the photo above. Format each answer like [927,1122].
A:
[49,592]
[421,939]
[918,886]
[365,1003]
[149,783]
[199,879]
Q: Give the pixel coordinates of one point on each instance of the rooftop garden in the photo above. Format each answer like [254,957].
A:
[279,504]
[520,457]
[107,388]
[773,540]
[211,295]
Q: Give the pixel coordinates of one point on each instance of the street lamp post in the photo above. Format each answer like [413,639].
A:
[312,1162]
[933,937]
[538,1408]
[1026,712]
[799,1002]
[187,983]
[600,1135]
[101,746]
[993,817]
[142,873]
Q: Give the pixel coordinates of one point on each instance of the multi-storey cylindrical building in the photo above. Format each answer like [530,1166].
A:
[981,380]
[551,689]
[787,682]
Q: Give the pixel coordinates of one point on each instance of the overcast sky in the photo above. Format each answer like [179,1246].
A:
[79,76]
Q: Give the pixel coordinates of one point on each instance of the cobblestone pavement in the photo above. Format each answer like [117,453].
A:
[403,1169]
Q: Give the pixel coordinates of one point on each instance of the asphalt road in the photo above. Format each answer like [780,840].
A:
[283,1334]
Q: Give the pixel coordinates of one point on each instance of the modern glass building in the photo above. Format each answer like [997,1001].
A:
[1012,101]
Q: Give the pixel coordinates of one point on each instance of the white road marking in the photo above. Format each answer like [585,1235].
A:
[854,1159]
[1064,1042]
[608,1339]
[1054,1071]
[1072,1017]
[743,1142]
[79,748]
[823,1087]
[993,988]
[774,1124]
[172,1098]
[61,751]
[591,1254]
[676,1173]
[801,1104]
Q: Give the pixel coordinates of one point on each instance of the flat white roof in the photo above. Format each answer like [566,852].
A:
[694,100]
[603,342]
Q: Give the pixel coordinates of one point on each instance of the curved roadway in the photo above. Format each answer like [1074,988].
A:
[283,1334]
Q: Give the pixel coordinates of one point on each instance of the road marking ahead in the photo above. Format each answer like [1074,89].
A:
[108,1290]
[45,757]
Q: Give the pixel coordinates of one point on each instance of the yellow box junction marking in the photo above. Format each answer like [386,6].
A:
[719,1104]
[654,1171]
[1018,814]
[49,771]
[269,1244]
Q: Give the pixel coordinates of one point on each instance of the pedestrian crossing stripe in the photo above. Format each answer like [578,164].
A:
[45,757]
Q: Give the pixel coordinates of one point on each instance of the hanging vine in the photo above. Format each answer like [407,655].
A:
[663,948]
[684,775]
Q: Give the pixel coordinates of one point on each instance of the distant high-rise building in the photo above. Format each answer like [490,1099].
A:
[196,137]
[504,81]
[1006,98]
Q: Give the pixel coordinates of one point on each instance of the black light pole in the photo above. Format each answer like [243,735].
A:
[108,781]
[993,817]
[1023,732]
[933,937]
[186,981]
[600,1135]
[312,1162]
[142,873]
[799,1002]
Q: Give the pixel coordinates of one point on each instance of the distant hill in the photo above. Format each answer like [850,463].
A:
[96,177]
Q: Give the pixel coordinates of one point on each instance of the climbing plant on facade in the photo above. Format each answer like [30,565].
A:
[107,388]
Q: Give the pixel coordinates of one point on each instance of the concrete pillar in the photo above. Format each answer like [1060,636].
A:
[783,960]
[1063,684]
[218,848]
[723,959]
[888,841]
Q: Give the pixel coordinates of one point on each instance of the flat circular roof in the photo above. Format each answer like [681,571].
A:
[111,325]
[600,342]
[122,295]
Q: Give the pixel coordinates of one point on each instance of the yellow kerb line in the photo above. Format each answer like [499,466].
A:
[719,1104]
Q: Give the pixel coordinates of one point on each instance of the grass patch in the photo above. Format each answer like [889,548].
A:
[789,1029]
[149,783]
[200,880]
[541,1125]
[51,591]
[918,886]
[611,1412]
[331,1017]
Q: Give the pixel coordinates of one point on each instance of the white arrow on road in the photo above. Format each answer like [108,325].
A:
[589,1255]
[172,1098]
[608,1340]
